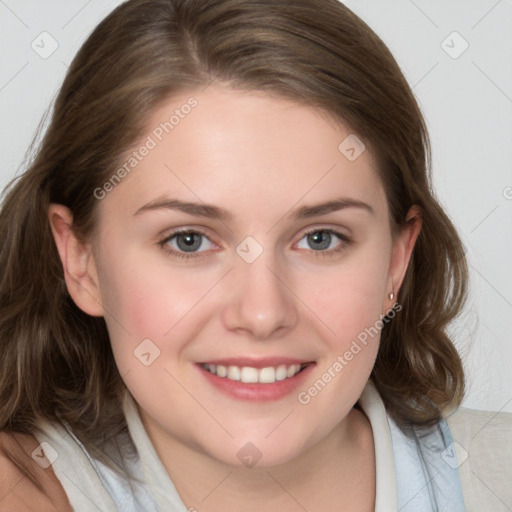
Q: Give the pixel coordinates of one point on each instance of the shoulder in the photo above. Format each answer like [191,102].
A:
[483,447]
[486,432]
[474,419]
[26,485]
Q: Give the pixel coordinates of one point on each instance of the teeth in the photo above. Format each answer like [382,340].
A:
[251,375]
[267,375]
[293,370]
[281,372]
[233,373]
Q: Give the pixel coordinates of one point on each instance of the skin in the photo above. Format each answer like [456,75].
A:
[259,157]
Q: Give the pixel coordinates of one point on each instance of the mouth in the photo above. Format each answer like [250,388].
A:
[256,380]
[252,375]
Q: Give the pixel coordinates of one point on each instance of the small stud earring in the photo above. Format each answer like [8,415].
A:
[391,295]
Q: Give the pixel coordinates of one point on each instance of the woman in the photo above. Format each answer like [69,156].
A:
[242,281]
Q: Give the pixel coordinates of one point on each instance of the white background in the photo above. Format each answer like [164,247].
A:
[467,103]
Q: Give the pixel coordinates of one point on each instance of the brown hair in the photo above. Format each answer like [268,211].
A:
[55,360]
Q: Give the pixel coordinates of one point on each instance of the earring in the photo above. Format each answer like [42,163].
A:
[391,295]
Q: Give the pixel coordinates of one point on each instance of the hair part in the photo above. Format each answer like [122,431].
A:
[56,362]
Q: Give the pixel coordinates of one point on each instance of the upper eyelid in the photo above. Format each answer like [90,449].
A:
[177,231]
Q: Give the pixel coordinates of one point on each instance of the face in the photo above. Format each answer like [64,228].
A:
[245,243]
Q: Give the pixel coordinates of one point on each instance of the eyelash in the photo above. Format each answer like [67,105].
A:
[182,255]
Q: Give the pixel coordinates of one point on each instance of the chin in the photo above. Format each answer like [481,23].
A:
[260,450]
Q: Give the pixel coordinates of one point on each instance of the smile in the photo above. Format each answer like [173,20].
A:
[250,375]
[256,380]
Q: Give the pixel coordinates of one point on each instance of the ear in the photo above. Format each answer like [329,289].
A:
[403,246]
[77,260]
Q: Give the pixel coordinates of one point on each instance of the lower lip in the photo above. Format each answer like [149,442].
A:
[257,391]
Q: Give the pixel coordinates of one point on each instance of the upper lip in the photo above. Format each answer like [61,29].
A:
[257,362]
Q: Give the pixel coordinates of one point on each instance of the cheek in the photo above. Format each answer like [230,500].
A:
[347,298]
[350,304]
[149,301]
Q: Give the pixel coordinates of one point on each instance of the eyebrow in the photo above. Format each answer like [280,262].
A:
[197,209]
[305,212]
[216,212]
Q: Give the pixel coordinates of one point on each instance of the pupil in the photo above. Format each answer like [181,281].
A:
[188,241]
[320,239]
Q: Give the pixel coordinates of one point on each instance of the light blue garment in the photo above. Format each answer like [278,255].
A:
[127,495]
[427,479]
[416,471]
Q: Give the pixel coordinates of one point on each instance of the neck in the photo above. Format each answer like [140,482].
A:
[340,468]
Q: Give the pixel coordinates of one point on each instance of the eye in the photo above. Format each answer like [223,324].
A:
[186,243]
[323,241]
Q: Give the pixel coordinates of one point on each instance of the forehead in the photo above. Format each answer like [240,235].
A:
[246,151]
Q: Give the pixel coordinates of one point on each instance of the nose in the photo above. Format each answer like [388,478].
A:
[260,304]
